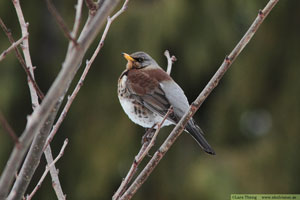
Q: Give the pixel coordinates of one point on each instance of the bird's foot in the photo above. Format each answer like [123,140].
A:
[148,135]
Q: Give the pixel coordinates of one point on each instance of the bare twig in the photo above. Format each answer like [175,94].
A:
[26,52]
[4,123]
[13,46]
[86,70]
[22,62]
[138,159]
[60,21]
[198,102]
[77,18]
[171,60]
[47,170]
[56,93]
[54,175]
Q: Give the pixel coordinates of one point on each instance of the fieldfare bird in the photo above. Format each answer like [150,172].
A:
[146,92]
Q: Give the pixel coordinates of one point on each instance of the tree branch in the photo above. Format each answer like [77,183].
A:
[138,159]
[4,123]
[198,102]
[33,158]
[56,93]
[54,175]
[26,52]
[60,21]
[22,62]
[77,18]
[13,46]
[47,170]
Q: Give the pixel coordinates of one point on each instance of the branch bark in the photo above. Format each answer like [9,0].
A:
[159,154]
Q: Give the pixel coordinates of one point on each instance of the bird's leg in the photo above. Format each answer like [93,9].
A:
[148,135]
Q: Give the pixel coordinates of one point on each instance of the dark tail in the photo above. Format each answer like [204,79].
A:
[197,134]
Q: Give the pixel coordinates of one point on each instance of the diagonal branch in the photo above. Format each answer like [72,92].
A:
[198,102]
[32,159]
[22,62]
[47,170]
[4,123]
[13,46]
[139,158]
[77,18]
[26,52]
[60,21]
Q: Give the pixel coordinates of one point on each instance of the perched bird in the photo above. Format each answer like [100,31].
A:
[146,92]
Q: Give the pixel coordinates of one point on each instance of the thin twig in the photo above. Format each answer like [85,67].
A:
[22,62]
[198,102]
[47,169]
[60,21]
[13,46]
[139,157]
[4,123]
[56,93]
[54,175]
[86,70]
[171,60]
[77,18]
[26,52]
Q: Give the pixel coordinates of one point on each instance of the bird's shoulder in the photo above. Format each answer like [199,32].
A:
[144,81]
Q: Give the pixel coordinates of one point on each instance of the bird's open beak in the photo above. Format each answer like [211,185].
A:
[129,59]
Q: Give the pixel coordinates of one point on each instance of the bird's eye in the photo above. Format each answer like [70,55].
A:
[140,59]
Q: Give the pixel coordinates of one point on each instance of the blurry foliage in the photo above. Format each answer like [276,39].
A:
[262,89]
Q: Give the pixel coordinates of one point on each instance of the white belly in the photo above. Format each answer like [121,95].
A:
[147,119]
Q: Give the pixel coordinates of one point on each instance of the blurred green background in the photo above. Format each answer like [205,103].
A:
[252,119]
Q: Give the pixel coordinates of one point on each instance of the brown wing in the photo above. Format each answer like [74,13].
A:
[147,91]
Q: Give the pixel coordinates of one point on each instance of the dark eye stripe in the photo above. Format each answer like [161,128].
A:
[140,59]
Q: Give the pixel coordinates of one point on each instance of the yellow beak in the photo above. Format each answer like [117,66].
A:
[128,57]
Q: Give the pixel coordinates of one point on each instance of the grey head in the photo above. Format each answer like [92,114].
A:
[142,59]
